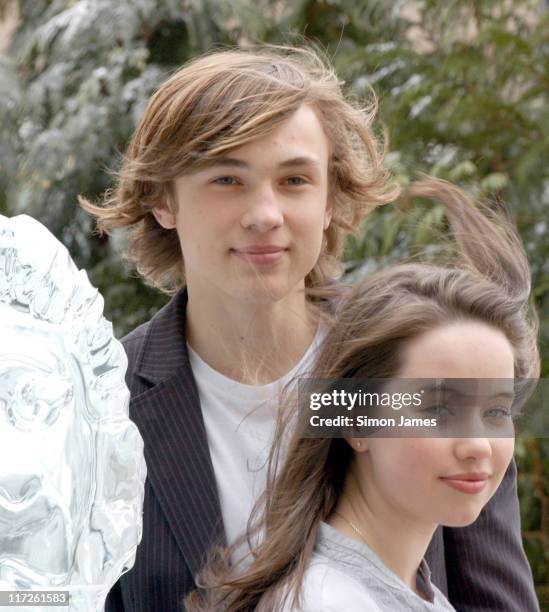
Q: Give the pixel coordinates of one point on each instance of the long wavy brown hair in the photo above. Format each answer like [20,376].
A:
[223,100]
[488,281]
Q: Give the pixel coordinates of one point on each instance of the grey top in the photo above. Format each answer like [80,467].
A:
[345,575]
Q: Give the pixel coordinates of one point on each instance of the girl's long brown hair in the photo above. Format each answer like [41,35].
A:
[489,281]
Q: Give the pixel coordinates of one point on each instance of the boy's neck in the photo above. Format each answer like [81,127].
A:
[251,343]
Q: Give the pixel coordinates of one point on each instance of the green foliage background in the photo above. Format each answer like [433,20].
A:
[463,95]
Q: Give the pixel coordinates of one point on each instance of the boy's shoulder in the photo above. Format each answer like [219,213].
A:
[157,347]
[136,336]
[133,342]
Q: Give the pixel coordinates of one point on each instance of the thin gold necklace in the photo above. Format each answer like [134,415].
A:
[353,526]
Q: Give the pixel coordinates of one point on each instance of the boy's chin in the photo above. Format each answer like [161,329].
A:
[262,293]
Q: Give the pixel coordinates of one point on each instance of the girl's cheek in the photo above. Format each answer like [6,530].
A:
[426,451]
[503,450]
[410,457]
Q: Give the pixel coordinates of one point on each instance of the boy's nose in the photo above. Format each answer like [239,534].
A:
[264,212]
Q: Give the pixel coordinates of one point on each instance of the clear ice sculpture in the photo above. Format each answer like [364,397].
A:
[72,470]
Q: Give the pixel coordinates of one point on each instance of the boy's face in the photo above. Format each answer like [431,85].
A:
[251,224]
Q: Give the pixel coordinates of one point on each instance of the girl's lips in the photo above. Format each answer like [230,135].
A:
[466,486]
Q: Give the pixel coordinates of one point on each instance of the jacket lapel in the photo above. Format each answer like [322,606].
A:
[170,420]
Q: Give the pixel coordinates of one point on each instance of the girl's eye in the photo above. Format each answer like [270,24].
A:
[226,180]
[498,413]
[439,410]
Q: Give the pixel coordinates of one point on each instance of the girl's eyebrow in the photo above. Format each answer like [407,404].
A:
[448,389]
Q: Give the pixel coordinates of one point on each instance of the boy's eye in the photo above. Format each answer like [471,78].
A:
[296,180]
[293,181]
[226,180]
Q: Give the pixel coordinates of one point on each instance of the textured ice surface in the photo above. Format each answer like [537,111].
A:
[71,462]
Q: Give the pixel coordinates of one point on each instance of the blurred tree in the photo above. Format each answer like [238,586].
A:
[463,95]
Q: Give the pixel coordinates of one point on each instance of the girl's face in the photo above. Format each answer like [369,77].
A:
[442,480]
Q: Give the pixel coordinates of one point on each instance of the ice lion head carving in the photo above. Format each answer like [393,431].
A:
[72,470]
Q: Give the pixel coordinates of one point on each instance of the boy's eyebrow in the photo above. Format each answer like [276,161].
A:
[303,160]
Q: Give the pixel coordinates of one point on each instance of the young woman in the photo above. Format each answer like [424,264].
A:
[347,521]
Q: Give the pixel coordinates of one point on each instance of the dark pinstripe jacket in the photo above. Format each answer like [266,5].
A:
[481,567]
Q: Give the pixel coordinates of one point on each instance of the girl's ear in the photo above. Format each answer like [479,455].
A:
[359,445]
[164,215]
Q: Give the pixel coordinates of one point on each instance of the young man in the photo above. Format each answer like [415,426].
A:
[240,184]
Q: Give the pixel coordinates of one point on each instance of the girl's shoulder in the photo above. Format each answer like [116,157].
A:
[326,588]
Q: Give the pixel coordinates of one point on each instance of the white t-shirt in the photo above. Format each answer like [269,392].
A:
[240,422]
